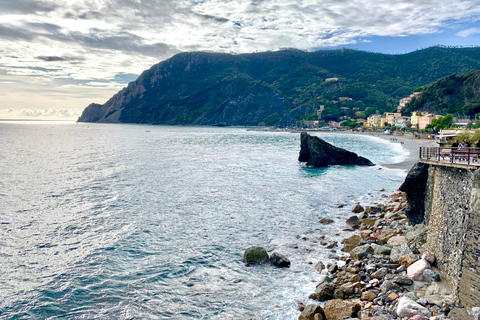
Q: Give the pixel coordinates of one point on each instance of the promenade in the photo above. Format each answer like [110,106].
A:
[450,156]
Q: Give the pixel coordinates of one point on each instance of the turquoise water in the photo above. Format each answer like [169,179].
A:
[148,222]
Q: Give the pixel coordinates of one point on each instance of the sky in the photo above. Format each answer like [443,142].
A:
[58,56]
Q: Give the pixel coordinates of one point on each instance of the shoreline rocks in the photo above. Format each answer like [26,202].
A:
[388,275]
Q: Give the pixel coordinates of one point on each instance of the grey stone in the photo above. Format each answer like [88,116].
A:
[326,221]
[459,314]
[431,275]
[382,250]
[325,291]
[417,234]
[319,266]
[399,251]
[411,296]
[361,252]
[389,285]
[357,208]
[403,281]
[379,274]
[353,221]
[309,312]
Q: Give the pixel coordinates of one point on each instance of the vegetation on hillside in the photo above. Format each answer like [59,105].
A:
[279,88]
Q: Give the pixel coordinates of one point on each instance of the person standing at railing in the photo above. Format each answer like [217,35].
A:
[455,144]
[477,144]
[463,144]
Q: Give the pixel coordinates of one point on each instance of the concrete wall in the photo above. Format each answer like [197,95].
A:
[452,212]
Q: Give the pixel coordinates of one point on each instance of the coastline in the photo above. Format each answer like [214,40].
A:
[409,144]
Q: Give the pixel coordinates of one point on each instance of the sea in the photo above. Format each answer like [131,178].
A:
[119,221]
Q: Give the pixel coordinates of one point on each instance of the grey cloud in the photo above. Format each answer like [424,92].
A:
[26,6]
[57,58]
[11,33]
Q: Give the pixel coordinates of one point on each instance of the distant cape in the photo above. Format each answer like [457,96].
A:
[319,153]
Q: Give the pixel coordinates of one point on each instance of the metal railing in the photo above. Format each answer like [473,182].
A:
[469,156]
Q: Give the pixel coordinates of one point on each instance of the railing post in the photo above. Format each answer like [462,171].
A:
[468,161]
[451,157]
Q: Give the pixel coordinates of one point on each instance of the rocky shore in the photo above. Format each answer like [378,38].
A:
[384,274]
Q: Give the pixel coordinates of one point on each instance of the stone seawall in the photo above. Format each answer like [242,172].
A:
[452,214]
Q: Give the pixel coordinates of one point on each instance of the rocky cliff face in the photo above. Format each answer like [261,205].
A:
[318,153]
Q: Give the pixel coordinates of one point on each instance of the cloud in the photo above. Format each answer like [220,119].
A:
[27,6]
[48,112]
[468,32]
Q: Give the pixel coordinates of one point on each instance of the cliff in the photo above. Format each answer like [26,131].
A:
[275,88]
[319,153]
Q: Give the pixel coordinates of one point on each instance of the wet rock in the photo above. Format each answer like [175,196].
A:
[415,271]
[279,260]
[357,208]
[255,254]
[326,221]
[337,309]
[319,153]
[324,291]
[351,243]
[319,266]
[310,311]
[353,221]
[361,252]
[410,308]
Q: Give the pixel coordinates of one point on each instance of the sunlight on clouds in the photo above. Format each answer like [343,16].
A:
[468,32]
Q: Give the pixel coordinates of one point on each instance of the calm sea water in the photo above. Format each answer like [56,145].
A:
[149,222]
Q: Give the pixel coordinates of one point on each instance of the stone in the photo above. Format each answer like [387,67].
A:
[353,221]
[392,296]
[459,314]
[361,252]
[403,281]
[415,271]
[355,278]
[368,296]
[365,234]
[324,291]
[417,234]
[382,250]
[318,316]
[431,275]
[338,294]
[357,208]
[300,306]
[368,221]
[310,311]
[409,308]
[385,235]
[279,260]
[416,317]
[399,251]
[397,241]
[326,221]
[332,245]
[319,266]
[379,274]
[351,243]
[319,153]
[389,285]
[337,309]
[415,186]
[348,289]
[430,257]
[411,295]
[406,260]
[255,254]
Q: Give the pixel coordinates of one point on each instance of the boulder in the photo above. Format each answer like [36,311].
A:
[337,309]
[385,235]
[389,285]
[319,266]
[431,275]
[357,208]
[368,296]
[351,243]
[324,291]
[310,311]
[361,252]
[319,153]
[382,250]
[369,222]
[415,187]
[279,260]
[415,271]
[397,241]
[353,221]
[399,251]
[255,254]
[409,308]
[326,221]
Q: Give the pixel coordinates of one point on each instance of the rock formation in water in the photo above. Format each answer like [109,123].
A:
[318,153]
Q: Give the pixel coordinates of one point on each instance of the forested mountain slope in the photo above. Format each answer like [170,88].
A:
[278,88]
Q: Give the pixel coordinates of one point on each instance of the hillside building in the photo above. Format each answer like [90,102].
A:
[415,118]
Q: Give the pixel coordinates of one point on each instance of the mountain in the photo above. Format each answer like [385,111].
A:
[454,94]
[276,88]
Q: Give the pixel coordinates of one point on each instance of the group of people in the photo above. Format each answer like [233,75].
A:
[465,144]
